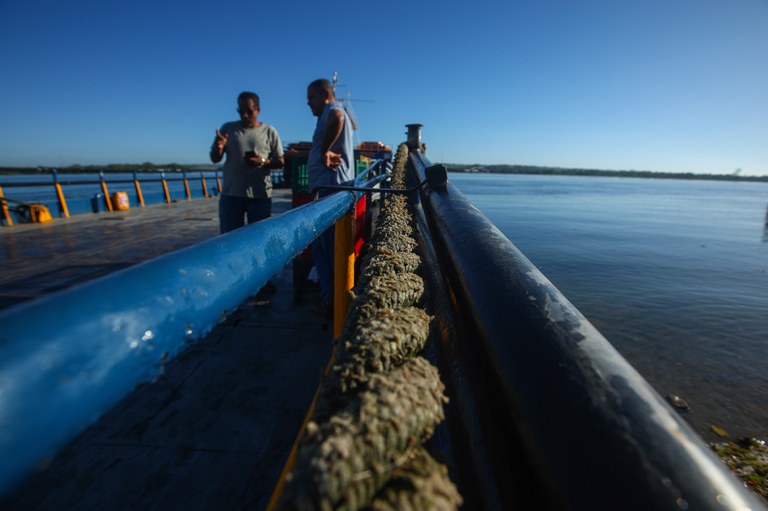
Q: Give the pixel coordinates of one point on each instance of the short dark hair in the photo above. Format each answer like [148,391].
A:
[323,85]
[249,95]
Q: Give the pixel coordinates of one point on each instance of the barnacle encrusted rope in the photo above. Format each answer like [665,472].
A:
[380,401]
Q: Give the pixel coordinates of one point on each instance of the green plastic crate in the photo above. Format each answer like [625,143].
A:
[299,177]
[360,166]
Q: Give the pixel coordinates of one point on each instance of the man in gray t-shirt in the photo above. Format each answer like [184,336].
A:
[253,149]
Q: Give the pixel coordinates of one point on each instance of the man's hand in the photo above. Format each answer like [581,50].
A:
[221,140]
[217,149]
[254,160]
[332,160]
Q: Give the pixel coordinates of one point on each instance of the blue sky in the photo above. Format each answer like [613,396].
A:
[661,85]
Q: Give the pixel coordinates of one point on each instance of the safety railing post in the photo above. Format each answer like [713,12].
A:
[344,269]
[218,181]
[186,185]
[104,189]
[60,194]
[205,187]
[166,193]
[139,195]
[6,211]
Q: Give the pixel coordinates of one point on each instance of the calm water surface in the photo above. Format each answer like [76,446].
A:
[672,272]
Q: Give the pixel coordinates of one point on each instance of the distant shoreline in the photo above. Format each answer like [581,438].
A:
[452,167]
[559,171]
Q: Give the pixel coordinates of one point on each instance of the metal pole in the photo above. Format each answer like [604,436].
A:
[60,193]
[104,189]
[186,185]
[344,270]
[166,193]
[139,195]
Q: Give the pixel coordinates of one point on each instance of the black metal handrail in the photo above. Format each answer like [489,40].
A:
[546,413]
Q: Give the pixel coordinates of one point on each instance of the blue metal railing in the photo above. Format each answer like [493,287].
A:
[547,414]
[65,194]
[68,357]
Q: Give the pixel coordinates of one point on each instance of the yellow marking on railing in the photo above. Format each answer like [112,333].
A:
[6,211]
[62,200]
[344,270]
[205,187]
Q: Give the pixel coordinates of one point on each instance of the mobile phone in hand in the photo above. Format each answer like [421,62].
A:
[250,154]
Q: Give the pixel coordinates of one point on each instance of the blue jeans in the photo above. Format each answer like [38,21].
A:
[322,256]
[233,211]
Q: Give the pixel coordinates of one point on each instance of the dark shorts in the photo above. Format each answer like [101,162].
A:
[233,211]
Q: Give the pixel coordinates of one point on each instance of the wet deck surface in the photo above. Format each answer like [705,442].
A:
[212,432]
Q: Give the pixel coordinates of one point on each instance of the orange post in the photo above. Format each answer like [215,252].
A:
[106,192]
[186,185]
[139,195]
[218,182]
[62,200]
[165,188]
[344,270]
[205,187]
[60,194]
[6,212]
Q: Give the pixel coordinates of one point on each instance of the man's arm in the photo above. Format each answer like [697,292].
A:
[276,163]
[333,129]
[217,149]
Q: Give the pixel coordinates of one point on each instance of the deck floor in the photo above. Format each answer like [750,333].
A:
[212,432]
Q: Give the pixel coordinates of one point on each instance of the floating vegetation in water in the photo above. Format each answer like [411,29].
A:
[677,402]
[748,459]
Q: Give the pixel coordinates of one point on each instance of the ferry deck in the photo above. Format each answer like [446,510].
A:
[225,412]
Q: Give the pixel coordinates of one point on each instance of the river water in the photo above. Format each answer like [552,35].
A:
[672,272]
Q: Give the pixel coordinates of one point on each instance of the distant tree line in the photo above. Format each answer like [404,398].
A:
[112,167]
[560,171]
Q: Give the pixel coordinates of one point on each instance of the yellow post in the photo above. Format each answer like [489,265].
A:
[62,200]
[165,189]
[343,270]
[60,194]
[106,192]
[6,213]
[139,195]
[186,185]
[205,187]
